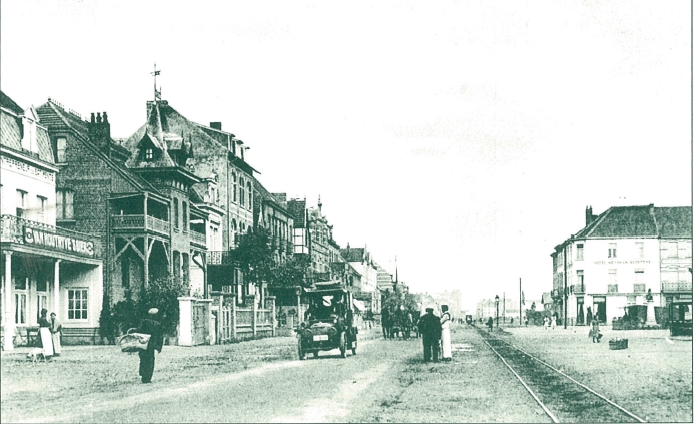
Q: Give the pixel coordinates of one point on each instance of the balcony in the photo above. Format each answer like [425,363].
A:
[198,239]
[578,289]
[673,287]
[145,223]
[37,234]
[221,257]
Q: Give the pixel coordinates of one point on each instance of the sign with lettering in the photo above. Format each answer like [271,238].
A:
[42,238]
[28,169]
[635,262]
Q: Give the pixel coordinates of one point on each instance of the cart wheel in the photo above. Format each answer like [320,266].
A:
[343,345]
[302,354]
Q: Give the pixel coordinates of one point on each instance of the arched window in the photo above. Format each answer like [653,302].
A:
[175,213]
[233,179]
[242,192]
[250,195]
[232,241]
[185,215]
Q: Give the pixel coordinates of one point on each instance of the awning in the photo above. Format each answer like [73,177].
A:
[359,305]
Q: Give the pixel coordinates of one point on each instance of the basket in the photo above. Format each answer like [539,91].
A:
[133,342]
[618,344]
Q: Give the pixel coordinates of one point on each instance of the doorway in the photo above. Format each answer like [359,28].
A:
[600,308]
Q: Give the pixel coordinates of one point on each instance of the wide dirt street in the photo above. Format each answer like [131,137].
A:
[263,381]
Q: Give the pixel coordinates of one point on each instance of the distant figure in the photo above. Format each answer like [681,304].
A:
[546,322]
[589,316]
[45,334]
[430,329]
[55,328]
[595,330]
[511,321]
[554,322]
[490,323]
[150,326]
[526,320]
[446,351]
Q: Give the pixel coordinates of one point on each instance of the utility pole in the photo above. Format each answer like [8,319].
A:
[504,312]
[565,289]
[520,303]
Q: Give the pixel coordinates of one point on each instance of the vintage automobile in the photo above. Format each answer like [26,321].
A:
[328,323]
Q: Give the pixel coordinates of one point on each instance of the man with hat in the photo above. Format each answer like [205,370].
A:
[150,326]
[430,328]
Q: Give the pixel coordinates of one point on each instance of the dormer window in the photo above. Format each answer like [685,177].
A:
[29,138]
[149,154]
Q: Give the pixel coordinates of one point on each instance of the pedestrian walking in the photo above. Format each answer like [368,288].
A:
[151,326]
[45,334]
[446,351]
[490,323]
[589,316]
[554,322]
[430,329]
[546,323]
[56,329]
[595,330]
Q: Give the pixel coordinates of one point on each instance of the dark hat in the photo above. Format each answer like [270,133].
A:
[429,309]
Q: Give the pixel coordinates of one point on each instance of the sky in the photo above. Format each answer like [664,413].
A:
[465,138]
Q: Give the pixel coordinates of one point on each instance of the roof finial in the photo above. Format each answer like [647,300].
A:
[320,205]
[157,93]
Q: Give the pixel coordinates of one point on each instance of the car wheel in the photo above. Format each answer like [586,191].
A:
[302,354]
[343,345]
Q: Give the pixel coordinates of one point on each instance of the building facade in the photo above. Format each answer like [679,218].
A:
[44,266]
[619,257]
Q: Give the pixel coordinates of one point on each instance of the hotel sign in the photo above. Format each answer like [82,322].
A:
[636,262]
[42,238]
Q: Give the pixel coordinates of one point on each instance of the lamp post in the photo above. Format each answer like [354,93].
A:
[496,299]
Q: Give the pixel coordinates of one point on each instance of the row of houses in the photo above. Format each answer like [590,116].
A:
[625,256]
[90,220]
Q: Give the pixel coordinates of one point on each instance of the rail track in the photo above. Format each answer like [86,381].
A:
[561,397]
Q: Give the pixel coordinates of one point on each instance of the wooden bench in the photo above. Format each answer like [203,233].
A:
[79,335]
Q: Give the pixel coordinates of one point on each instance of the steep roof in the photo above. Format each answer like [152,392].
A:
[353,254]
[674,222]
[58,115]
[12,130]
[298,209]
[622,222]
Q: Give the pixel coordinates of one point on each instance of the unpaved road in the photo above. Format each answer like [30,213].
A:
[385,382]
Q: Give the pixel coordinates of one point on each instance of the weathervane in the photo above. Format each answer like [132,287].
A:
[157,93]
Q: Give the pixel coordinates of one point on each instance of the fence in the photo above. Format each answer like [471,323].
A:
[238,323]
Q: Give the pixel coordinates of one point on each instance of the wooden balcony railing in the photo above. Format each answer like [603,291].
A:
[140,223]
[198,238]
[37,234]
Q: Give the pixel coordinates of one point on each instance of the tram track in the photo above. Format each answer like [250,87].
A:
[561,397]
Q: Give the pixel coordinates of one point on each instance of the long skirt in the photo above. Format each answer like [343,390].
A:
[446,343]
[56,343]
[46,341]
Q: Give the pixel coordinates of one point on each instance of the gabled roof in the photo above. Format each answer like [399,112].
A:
[674,222]
[12,129]
[298,209]
[644,221]
[353,254]
[81,131]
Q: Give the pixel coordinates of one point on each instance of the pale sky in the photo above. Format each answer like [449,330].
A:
[465,137]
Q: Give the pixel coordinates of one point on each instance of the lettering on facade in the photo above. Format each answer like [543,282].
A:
[28,169]
[41,238]
[634,262]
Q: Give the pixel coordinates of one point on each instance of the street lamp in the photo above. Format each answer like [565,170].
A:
[496,299]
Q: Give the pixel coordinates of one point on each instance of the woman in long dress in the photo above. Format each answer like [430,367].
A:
[45,334]
[447,354]
[56,328]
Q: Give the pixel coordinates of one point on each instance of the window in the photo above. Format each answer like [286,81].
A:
[612,276]
[77,304]
[685,249]
[184,210]
[579,277]
[579,252]
[242,193]
[21,203]
[612,288]
[639,280]
[639,250]
[612,250]
[60,145]
[20,311]
[41,303]
[250,195]
[671,249]
[125,271]
[41,211]
[175,213]
[149,154]
[233,179]
[64,204]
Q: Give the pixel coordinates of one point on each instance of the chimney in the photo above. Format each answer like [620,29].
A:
[216,125]
[99,130]
[589,215]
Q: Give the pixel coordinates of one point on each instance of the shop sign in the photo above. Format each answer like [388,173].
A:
[54,241]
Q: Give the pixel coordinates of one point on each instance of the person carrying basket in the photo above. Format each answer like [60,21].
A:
[151,326]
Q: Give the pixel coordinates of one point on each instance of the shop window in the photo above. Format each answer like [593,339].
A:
[64,204]
[20,311]
[77,304]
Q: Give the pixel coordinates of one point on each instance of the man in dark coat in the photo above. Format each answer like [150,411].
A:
[150,326]
[430,328]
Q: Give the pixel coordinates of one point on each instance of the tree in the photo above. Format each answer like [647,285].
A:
[254,255]
[291,273]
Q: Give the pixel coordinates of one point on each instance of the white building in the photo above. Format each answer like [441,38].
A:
[621,255]
[43,266]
